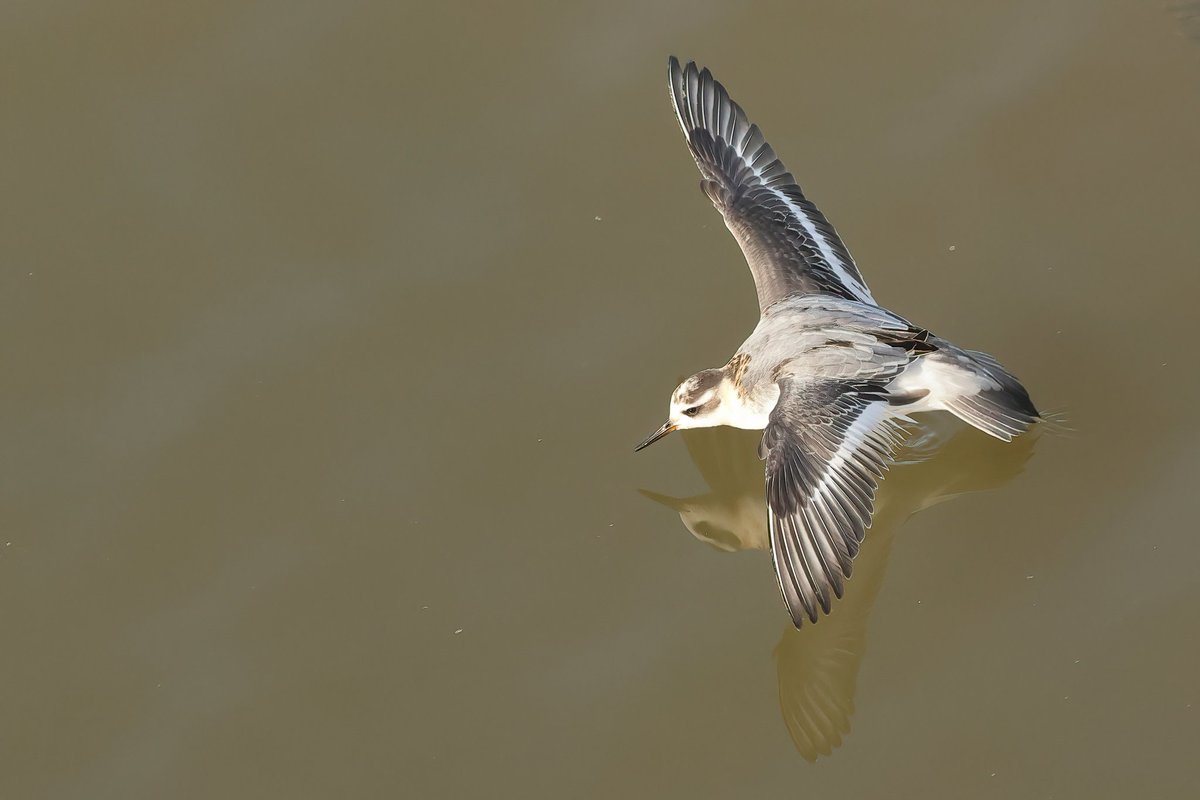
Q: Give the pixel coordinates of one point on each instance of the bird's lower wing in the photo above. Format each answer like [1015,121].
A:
[826,448]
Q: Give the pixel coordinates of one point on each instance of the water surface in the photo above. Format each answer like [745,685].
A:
[328,330]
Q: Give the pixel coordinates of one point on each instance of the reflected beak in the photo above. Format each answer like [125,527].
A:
[654,437]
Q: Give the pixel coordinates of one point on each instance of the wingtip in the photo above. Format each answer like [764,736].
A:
[802,615]
[674,70]
[675,73]
[676,67]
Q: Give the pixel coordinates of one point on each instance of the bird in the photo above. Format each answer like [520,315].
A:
[831,377]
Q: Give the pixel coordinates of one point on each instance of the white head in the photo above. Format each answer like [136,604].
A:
[698,402]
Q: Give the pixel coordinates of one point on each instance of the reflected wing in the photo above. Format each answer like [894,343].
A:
[788,243]
[827,445]
[817,671]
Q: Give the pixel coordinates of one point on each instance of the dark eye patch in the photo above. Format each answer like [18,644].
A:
[693,411]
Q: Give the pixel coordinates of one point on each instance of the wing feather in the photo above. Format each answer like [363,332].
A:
[827,445]
[788,243]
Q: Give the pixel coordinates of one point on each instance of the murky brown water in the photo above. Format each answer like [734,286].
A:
[328,329]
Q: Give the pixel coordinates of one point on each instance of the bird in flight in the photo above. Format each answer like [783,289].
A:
[828,375]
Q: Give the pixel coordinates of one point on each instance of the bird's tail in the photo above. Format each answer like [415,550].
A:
[988,396]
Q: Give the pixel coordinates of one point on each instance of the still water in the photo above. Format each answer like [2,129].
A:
[328,329]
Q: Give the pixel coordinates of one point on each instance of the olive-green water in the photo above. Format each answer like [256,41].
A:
[327,330]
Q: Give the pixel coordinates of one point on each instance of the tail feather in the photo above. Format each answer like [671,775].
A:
[1003,412]
[992,412]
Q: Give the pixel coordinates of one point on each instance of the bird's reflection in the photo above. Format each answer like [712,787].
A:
[818,665]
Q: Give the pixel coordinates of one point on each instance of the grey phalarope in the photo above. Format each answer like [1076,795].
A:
[827,374]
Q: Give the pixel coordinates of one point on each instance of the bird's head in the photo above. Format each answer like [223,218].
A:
[695,403]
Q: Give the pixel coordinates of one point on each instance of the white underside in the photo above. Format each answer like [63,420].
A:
[944,381]
[749,414]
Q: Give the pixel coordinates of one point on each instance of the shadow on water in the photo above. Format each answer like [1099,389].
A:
[818,666]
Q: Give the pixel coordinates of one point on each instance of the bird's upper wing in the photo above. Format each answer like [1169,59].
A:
[788,243]
[826,446]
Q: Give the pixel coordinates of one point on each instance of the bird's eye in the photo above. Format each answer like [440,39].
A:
[693,411]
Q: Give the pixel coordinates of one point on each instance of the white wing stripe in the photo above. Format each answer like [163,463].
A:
[860,291]
[871,416]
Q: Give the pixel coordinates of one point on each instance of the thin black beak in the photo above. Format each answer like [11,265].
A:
[654,437]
